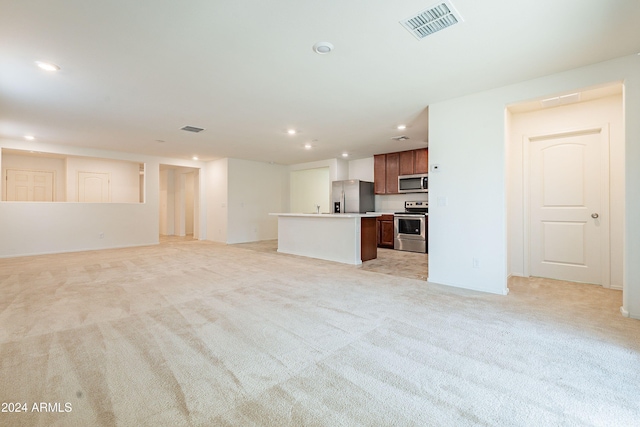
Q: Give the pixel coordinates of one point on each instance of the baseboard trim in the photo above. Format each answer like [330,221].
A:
[471,288]
[69,251]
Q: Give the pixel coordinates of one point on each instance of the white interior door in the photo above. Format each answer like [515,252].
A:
[29,185]
[569,229]
[94,187]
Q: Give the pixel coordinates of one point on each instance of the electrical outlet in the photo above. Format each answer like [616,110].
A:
[101,235]
[476,263]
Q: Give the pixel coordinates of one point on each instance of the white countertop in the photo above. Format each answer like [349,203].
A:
[325,215]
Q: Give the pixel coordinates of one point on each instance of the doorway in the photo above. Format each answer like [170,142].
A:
[29,185]
[179,201]
[566,187]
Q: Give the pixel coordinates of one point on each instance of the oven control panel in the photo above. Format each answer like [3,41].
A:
[416,205]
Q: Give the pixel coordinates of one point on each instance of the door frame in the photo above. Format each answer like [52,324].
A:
[605,247]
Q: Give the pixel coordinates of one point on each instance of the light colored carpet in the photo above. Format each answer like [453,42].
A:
[192,333]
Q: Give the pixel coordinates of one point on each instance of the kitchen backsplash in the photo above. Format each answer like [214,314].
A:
[395,202]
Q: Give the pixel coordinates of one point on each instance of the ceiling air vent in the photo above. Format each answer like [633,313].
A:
[192,129]
[431,20]
[400,138]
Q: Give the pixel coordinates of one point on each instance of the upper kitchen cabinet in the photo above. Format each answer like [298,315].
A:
[392,172]
[387,168]
[407,163]
[421,164]
[379,174]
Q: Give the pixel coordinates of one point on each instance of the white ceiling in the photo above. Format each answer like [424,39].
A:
[135,71]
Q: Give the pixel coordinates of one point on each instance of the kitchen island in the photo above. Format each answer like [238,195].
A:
[348,238]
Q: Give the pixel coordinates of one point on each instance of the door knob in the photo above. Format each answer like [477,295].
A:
[594,215]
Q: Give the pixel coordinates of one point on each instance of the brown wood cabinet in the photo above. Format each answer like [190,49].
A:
[407,163]
[385,231]
[421,164]
[392,172]
[387,167]
[368,246]
[379,173]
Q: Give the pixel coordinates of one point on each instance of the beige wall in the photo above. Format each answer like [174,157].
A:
[310,187]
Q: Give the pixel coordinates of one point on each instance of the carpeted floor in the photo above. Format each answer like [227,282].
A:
[191,333]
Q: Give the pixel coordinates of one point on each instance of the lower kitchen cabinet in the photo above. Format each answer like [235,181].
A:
[385,231]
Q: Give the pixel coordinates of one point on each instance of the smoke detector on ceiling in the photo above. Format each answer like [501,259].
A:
[400,138]
[433,19]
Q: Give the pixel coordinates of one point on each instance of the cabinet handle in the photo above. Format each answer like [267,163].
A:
[594,215]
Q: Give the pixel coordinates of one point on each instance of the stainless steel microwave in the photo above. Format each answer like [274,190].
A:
[418,183]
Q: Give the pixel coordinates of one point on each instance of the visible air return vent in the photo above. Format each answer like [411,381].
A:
[431,20]
[400,138]
[192,129]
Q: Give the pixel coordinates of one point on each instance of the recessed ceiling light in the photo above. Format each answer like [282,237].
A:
[402,127]
[29,137]
[322,48]
[291,131]
[307,146]
[195,157]
[345,154]
[48,66]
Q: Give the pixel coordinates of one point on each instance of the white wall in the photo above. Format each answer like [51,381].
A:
[188,202]
[338,168]
[166,202]
[216,182]
[28,228]
[467,138]
[255,190]
[574,116]
[308,188]
[361,169]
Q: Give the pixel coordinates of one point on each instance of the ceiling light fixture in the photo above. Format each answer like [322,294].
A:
[345,154]
[291,131]
[47,66]
[322,48]
[402,127]
[195,157]
[307,146]
[29,137]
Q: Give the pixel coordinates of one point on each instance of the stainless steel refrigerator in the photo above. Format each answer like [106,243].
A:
[352,196]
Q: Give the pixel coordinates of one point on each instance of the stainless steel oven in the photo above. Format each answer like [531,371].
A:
[411,227]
